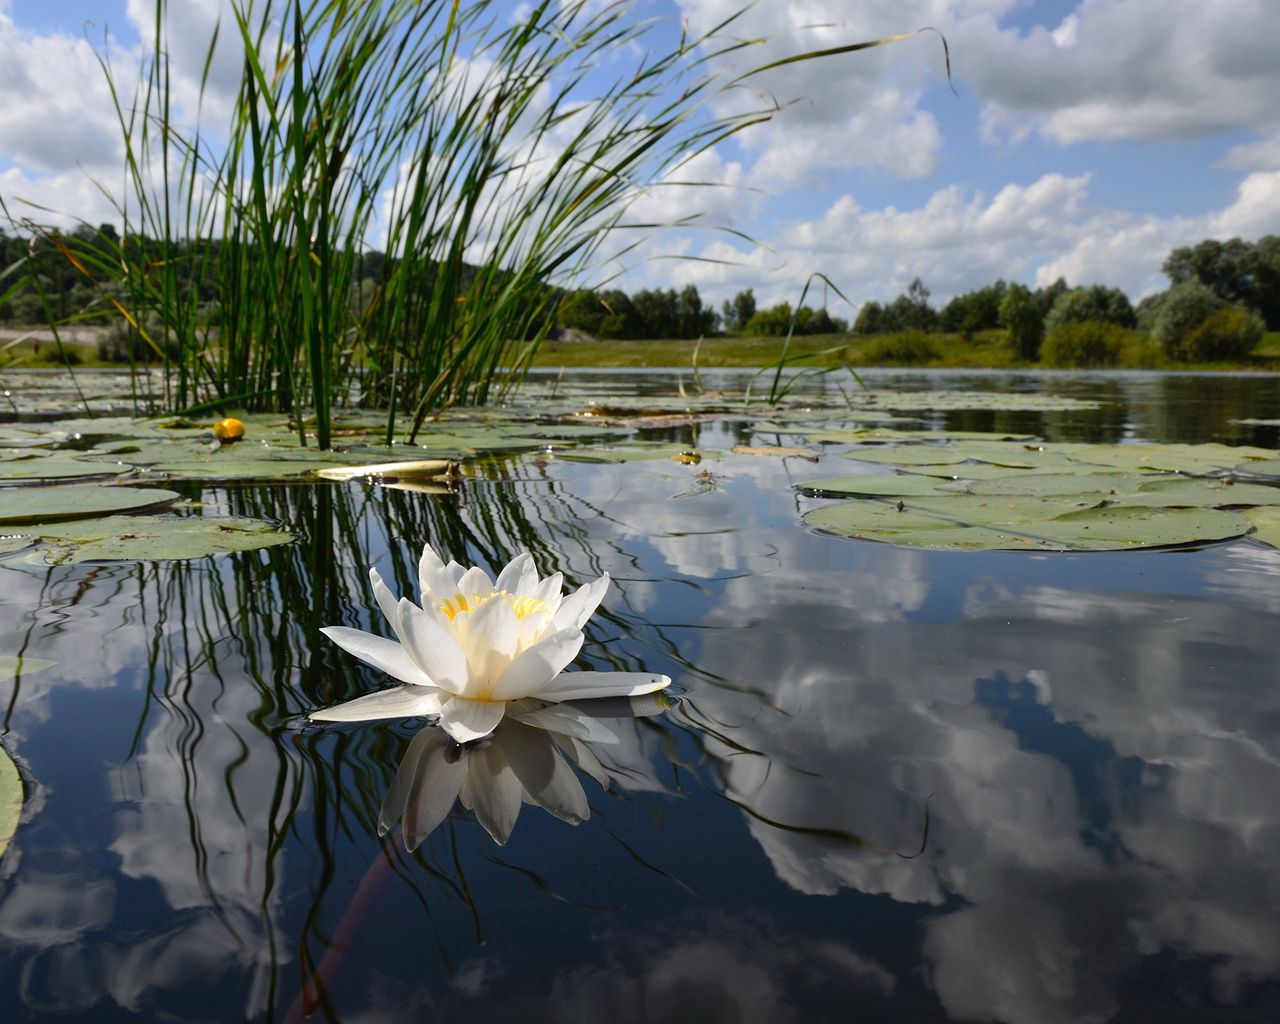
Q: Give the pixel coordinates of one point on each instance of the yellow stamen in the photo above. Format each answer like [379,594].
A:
[523,605]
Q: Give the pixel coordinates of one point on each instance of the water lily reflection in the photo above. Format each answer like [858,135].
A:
[521,762]
[475,645]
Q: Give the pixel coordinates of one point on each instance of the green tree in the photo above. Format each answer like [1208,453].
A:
[1047,295]
[581,311]
[973,311]
[770,323]
[739,311]
[870,319]
[1180,310]
[1093,303]
[1020,314]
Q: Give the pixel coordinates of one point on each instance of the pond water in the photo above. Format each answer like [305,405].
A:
[896,785]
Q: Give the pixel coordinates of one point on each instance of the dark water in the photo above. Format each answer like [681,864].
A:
[899,786]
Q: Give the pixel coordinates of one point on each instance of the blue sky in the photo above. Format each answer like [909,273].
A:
[1084,139]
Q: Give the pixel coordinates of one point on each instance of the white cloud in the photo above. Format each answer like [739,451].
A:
[57,111]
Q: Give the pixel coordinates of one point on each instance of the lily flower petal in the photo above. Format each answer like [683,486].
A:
[475,582]
[581,685]
[386,600]
[575,609]
[379,652]
[434,577]
[433,647]
[534,667]
[492,637]
[467,720]
[401,702]
[518,576]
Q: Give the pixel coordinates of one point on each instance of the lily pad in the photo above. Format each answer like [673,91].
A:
[892,485]
[777,451]
[10,799]
[56,467]
[1266,524]
[1195,459]
[149,538]
[49,504]
[975,522]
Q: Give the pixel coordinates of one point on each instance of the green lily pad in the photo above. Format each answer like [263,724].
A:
[149,538]
[1012,454]
[892,485]
[1194,459]
[635,451]
[977,522]
[10,799]
[12,542]
[48,504]
[1007,401]
[1262,467]
[957,472]
[1266,524]
[56,467]
[885,435]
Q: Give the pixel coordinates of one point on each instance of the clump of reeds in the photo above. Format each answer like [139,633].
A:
[481,154]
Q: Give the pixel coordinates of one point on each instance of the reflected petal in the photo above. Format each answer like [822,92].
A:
[493,789]
[566,719]
[467,720]
[397,798]
[431,791]
[401,702]
[545,776]
[579,685]
[534,667]
[379,652]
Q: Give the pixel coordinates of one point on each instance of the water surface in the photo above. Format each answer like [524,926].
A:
[899,785]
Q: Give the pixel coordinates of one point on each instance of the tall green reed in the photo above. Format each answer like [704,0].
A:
[481,154]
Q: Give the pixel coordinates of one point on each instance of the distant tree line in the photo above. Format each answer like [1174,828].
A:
[1221,298]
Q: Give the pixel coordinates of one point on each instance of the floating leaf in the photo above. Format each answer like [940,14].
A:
[10,799]
[1266,524]
[1171,458]
[978,522]
[894,485]
[778,451]
[145,538]
[14,542]
[635,451]
[48,504]
[58,466]
[884,435]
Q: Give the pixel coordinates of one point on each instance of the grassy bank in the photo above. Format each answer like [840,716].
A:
[986,350]
[950,351]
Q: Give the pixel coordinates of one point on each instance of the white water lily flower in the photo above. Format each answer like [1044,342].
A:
[474,644]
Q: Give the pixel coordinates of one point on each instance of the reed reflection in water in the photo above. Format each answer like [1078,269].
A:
[193,798]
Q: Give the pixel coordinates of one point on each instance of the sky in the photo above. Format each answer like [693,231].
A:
[1076,139]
